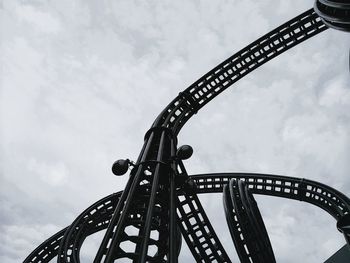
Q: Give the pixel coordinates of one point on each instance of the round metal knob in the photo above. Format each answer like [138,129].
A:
[120,167]
[184,152]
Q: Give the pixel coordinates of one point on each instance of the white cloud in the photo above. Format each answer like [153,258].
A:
[40,20]
[54,175]
[336,93]
[17,239]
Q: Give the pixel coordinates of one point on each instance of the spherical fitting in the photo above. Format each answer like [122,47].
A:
[120,167]
[184,152]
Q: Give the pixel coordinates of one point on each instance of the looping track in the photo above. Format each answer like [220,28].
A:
[286,36]
[142,223]
[323,196]
[246,225]
[191,216]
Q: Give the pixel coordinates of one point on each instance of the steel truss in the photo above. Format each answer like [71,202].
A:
[144,222]
[191,215]
[246,224]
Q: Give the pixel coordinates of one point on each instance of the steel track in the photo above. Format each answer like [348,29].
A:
[191,215]
[142,222]
[246,225]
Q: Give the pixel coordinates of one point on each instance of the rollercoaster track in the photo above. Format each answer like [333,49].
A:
[66,243]
[279,40]
[246,225]
[323,196]
[198,232]
[144,205]
[151,202]
[47,250]
[160,142]
[93,219]
[193,222]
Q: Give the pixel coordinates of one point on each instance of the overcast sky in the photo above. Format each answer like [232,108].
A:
[82,81]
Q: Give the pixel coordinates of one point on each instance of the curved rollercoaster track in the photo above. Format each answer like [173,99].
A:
[190,213]
[160,201]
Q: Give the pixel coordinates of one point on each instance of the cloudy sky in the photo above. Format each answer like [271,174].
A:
[82,81]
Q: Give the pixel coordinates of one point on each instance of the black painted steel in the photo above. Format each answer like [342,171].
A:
[66,243]
[334,13]
[323,196]
[47,250]
[194,223]
[246,224]
[143,222]
[93,219]
[279,40]
[145,206]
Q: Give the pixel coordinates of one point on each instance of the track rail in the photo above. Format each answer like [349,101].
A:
[93,219]
[323,196]
[192,220]
[246,225]
[47,250]
[66,243]
[279,40]
[148,204]
[198,232]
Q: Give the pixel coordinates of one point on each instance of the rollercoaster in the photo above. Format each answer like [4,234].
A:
[159,205]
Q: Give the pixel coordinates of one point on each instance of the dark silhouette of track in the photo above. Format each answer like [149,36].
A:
[145,222]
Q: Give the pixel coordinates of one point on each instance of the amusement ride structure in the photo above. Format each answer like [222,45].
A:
[159,205]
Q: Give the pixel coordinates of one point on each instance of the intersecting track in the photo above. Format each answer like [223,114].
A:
[245,223]
[143,222]
[191,216]
[323,196]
